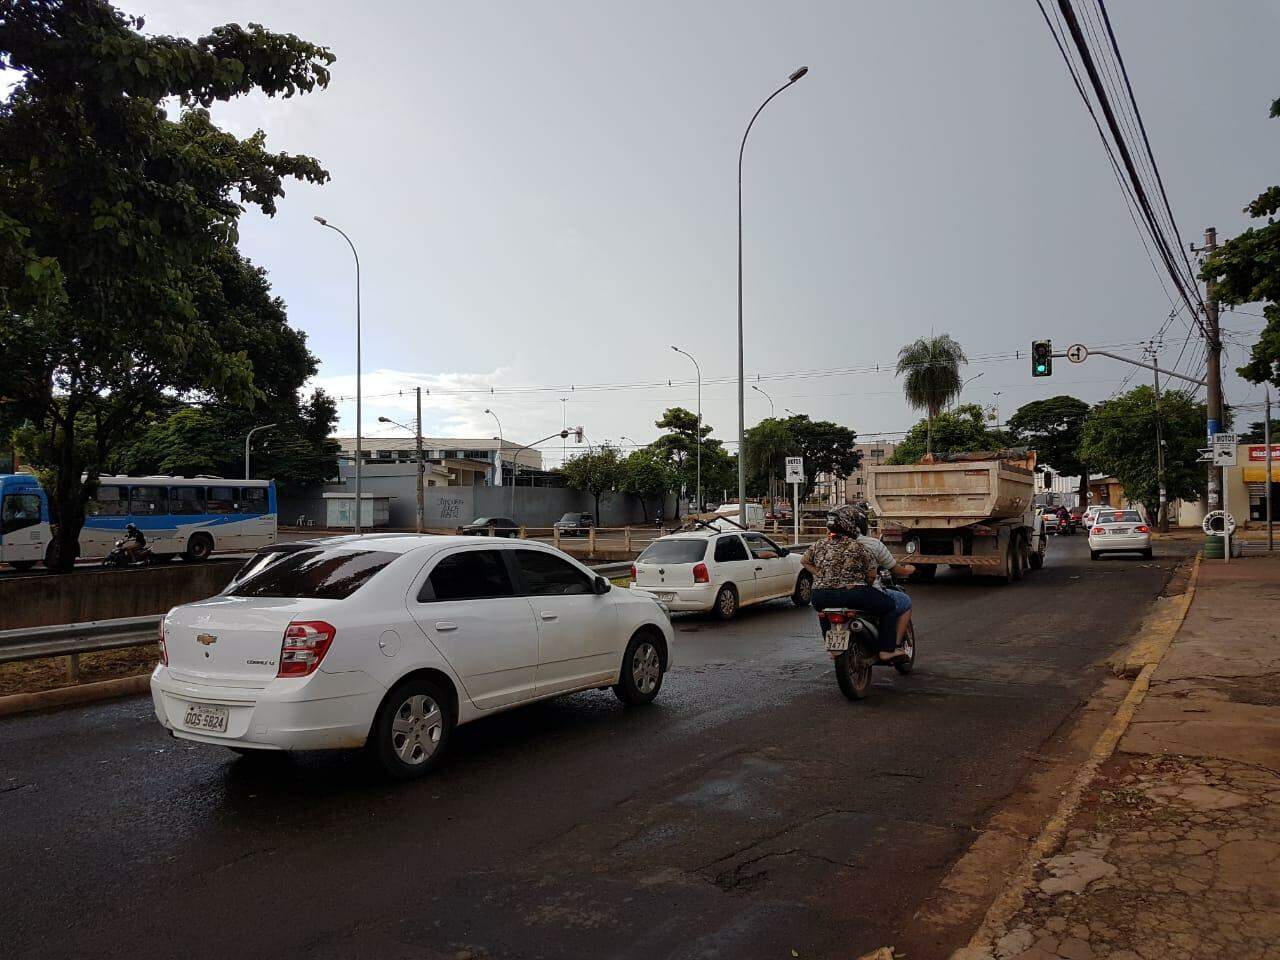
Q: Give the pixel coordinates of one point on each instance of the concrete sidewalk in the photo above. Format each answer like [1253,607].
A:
[1174,851]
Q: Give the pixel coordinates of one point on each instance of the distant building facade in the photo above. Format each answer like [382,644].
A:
[833,491]
[452,461]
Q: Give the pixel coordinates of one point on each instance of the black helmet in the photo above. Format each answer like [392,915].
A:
[847,520]
[131,528]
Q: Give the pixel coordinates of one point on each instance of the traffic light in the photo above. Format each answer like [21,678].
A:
[1041,358]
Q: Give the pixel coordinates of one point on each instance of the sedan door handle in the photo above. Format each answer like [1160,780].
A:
[759,568]
[548,615]
[444,626]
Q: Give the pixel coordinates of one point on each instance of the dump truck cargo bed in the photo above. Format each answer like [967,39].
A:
[950,494]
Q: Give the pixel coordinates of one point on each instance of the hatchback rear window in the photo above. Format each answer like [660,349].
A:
[315,574]
[675,551]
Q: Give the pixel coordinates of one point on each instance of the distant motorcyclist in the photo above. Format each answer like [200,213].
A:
[845,572]
[134,543]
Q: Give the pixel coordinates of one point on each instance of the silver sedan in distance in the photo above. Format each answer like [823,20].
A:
[1119,531]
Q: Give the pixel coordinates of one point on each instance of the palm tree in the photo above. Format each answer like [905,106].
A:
[931,368]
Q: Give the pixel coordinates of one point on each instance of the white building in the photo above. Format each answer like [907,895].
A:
[451,461]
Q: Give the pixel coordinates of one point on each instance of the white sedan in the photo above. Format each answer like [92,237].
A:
[719,572]
[1119,531]
[388,642]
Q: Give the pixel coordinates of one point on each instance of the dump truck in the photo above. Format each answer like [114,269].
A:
[970,511]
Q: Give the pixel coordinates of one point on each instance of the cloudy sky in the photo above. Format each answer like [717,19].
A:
[543,197]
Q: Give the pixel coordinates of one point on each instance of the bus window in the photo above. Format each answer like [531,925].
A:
[20,510]
[186,500]
[147,502]
[222,499]
[253,500]
[111,501]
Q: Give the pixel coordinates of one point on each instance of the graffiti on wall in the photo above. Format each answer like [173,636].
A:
[450,507]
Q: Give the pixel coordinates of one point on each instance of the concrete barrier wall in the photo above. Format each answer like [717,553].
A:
[107,594]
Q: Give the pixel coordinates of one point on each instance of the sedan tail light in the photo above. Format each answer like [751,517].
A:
[633,573]
[164,650]
[1097,530]
[304,646]
[1143,528]
[700,573]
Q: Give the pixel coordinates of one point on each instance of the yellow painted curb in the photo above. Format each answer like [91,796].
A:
[68,696]
[1154,641]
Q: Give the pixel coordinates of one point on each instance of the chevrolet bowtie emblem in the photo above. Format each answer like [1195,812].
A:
[206,638]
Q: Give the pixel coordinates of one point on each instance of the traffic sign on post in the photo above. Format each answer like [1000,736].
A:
[795,477]
[1077,353]
[1224,449]
[795,469]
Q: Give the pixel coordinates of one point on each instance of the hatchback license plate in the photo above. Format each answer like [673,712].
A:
[838,639]
[206,718]
[665,596]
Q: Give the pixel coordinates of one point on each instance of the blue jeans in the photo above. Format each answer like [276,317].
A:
[869,600]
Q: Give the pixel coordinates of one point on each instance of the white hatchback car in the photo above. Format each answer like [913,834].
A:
[718,572]
[389,641]
[1119,531]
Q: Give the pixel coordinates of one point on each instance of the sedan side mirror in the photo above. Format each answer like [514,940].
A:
[602,585]
[783,552]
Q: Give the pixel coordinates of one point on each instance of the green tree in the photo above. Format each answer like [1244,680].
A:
[119,218]
[649,476]
[825,446]
[962,430]
[594,472]
[1246,269]
[930,368]
[1120,439]
[1054,429]
[680,446]
[1255,434]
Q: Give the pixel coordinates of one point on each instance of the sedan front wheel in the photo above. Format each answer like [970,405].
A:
[642,670]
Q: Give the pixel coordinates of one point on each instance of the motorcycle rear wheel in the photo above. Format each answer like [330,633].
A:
[853,674]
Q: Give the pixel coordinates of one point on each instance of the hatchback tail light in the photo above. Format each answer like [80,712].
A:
[164,650]
[1143,528]
[633,573]
[700,573]
[304,646]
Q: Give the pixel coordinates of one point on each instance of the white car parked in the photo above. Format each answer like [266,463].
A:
[389,641]
[718,572]
[1119,531]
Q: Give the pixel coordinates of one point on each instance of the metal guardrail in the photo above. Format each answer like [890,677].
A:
[68,639]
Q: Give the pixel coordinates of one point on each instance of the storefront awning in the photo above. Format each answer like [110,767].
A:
[1258,474]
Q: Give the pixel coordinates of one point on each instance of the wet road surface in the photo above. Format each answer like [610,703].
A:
[749,812]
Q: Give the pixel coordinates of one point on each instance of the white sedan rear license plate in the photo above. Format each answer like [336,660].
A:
[1119,531]
[206,718]
[838,639]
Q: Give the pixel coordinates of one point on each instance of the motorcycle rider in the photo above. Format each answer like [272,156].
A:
[134,544]
[886,561]
[844,574]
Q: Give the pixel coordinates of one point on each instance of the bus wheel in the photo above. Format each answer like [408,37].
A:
[51,555]
[199,547]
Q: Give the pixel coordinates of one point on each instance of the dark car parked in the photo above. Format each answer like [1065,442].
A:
[575,524]
[481,527]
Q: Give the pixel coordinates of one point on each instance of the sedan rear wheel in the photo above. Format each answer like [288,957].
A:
[411,729]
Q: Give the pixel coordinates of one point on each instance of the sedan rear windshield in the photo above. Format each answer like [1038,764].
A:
[317,574]
[675,551]
[1119,516]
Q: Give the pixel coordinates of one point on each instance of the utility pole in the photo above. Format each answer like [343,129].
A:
[1266,438]
[1162,517]
[422,466]
[1213,376]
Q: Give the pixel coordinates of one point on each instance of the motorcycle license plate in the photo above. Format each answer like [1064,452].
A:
[837,638]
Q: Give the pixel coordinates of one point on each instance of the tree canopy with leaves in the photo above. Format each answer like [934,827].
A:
[596,472]
[649,476]
[1054,429]
[679,445]
[930,368]
[119,223]
[962,430]
[1119,438]
[1246,269]
[826,447]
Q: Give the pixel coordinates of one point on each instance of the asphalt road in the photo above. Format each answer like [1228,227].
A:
[749,812]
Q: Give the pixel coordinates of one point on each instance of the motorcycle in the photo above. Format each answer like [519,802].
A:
[852,640]
[121,557]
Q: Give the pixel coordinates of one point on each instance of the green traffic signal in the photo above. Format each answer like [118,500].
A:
[1042,358]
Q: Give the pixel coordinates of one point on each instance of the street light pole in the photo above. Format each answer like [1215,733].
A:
[742,429]
[497,461]
[699,370]
[772,414]
[247,437]
[515,463]
[359,441]
[422,465]
[963,385]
